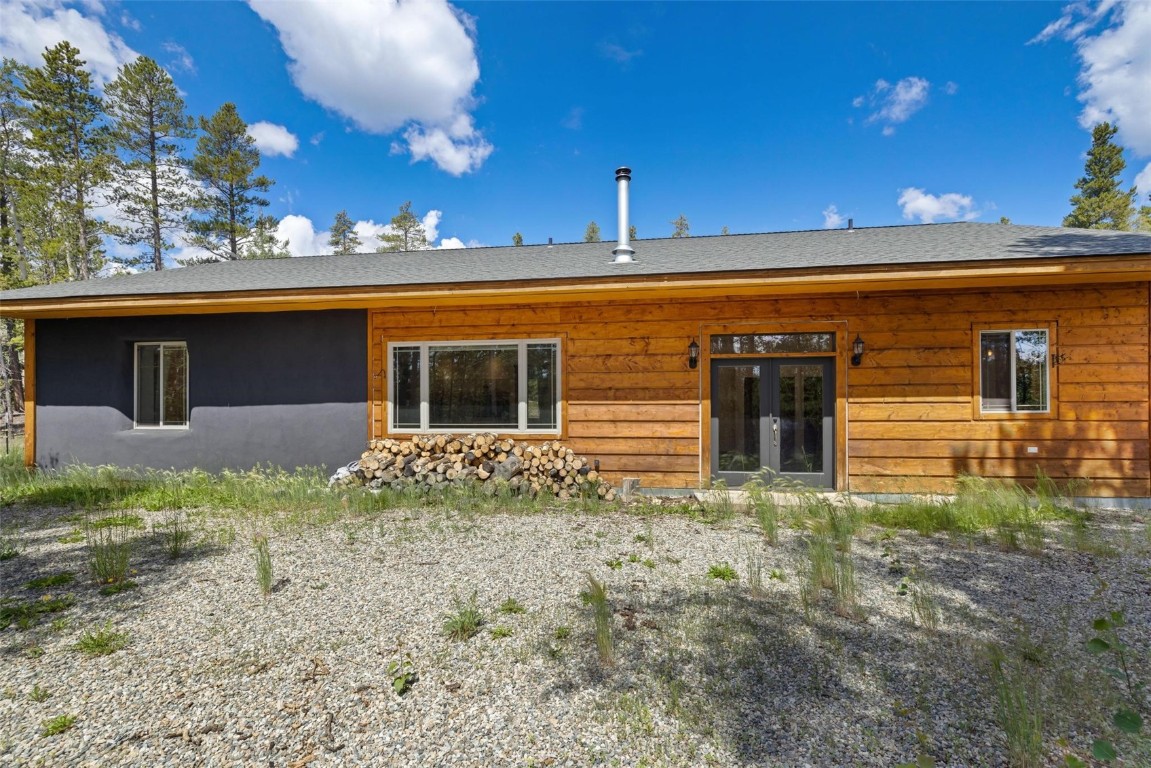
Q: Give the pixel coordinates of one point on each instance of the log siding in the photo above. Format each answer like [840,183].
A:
[907,417]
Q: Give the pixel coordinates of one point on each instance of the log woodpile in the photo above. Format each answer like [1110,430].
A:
[433,461]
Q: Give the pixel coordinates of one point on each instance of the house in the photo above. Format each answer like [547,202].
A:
[885,359]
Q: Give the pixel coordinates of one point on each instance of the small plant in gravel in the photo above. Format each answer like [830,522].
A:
[844,589]
[403,674]
[596,597]
[55,580]
[777,575]
[511,605]
[117,520]
[499,632]
[54,726]
[924,608]
[647,562]
[74,537]
[723,572]
[1018,709]
[26,614]
[174,533]
[116,588]
[109,548]
[614,563]
[562,632]
[263,556]
[1126,718]
[755,573]
[465,621]
[102,641]
[765,508]
[10,547]
[39,695]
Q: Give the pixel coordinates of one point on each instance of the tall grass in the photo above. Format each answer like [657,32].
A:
[1013,513]
[1018,709]
[263,557]
[109,542]
[596,596]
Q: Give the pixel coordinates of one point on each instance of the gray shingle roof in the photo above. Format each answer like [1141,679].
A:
[927,244]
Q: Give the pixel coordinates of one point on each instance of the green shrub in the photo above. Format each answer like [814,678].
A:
[465,621]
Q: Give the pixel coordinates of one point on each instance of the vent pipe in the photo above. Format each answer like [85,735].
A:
[851,224]
[623,251]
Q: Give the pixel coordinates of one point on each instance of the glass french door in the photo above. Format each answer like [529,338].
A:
[777,413]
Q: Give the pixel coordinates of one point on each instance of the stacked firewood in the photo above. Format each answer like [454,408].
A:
[436,460]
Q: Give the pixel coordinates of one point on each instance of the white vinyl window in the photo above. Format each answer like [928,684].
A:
[499,386]
[1014,371]
[161,384]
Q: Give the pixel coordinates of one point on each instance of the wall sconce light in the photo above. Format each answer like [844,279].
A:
[692,354]
[857,350]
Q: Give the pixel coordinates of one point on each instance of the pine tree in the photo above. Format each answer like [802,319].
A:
[591,234]
[517,239]
[14,170]
[682,228]
[407,233]
[1145,216]
[723,230]
[151,187]
[72,152]
[1101,204]
[226,159]
[631,232]
[263,243]
[344,239]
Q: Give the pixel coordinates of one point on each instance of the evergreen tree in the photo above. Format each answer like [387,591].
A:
[1145,216]
[344,239]
[14,170]
[723,230]
[407,233]
[631,232]
[151,187]
[682,228]
[226,159]
[263,243]
[1101,204]
[72,153]
[591,234]
[517,239]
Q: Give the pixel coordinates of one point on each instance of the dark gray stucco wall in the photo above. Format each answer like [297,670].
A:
[289,388]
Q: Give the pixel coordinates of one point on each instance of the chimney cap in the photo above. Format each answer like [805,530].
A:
[623,172]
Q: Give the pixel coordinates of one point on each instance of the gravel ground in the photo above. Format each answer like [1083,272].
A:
[705,672]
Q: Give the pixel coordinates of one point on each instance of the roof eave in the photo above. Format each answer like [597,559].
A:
[923,276]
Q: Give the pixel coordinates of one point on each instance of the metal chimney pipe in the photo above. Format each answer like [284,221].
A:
[623,251]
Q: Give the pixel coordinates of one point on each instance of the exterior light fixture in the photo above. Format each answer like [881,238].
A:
[692,354]
[857,350]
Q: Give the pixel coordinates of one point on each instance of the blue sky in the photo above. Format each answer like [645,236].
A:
[512,116]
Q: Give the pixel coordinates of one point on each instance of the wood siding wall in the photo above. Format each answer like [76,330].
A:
[912,417]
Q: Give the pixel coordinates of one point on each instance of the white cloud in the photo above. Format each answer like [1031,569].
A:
[30,26]
[951,88]
[894,104]
[927,208]
[1143,183]
[1115,74]
[272,139]
[618,53]
[831,218]
[181,60]
[389,66]
[456,152]
[574,119]
[304,240]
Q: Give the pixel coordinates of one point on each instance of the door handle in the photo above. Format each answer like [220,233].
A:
[775,431]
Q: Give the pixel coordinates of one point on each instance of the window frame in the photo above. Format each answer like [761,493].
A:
[136,384]
[1012,328]
[522,427]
